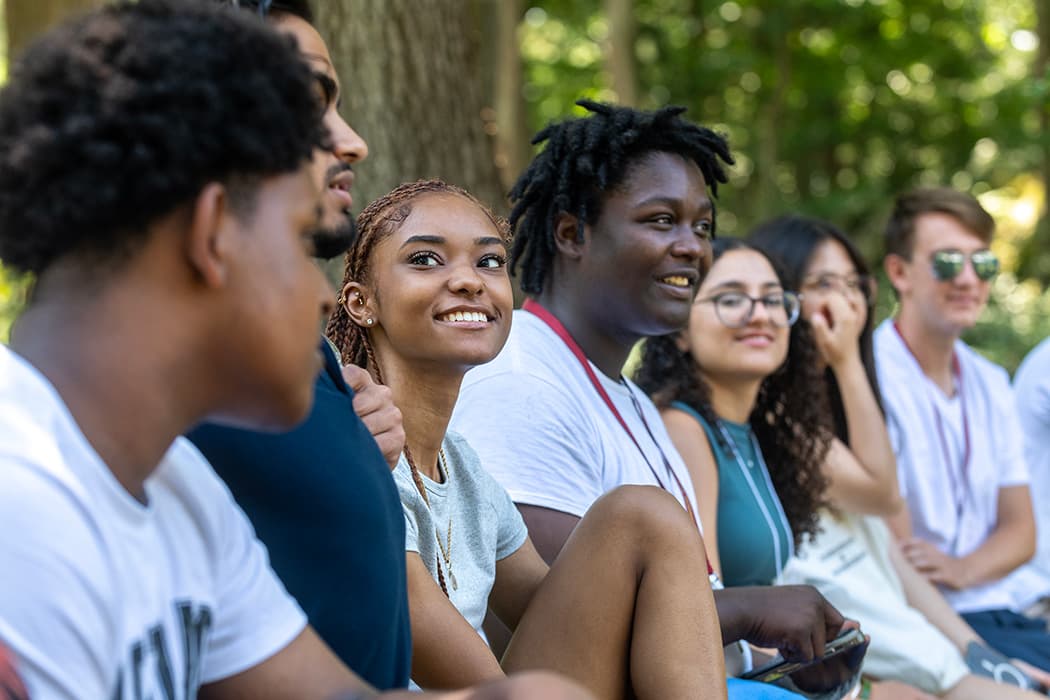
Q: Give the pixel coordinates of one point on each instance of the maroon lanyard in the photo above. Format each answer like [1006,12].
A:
[961,489]
[537,309]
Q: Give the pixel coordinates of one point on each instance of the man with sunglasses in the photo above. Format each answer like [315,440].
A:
[952,420]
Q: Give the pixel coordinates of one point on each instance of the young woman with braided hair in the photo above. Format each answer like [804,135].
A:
[625,610]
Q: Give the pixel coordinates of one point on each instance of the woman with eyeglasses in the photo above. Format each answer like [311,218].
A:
[919,644]
[739,391]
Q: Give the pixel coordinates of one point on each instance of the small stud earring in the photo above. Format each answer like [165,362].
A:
[369,321]
[357,295]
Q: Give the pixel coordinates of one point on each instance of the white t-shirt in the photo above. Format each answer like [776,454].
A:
[104,597]
[1032,390]
[849,563]
[541,429]
[928,436]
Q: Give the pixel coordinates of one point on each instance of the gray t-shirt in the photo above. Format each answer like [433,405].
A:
[486,527]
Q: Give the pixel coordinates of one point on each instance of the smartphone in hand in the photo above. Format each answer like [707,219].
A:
[778,667]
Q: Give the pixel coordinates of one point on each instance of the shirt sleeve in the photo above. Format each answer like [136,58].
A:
[512,528]
[1014,468]
[55,595]
[255,617]
[534,439]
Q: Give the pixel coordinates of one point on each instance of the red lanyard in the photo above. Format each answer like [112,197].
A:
[536,309]
[961,489]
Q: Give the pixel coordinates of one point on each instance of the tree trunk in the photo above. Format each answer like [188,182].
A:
[512,136]
[412,88]
[27,18]
[620,51]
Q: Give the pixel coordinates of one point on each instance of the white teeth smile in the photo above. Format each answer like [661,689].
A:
[676,281]
[470,316]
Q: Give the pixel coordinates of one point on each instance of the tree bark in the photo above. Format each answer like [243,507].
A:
[619,50]
[512,136]
[411,85]
[25,19]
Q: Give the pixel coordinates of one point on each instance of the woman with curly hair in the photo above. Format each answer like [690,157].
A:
[920,645]
[739,390]
[426,296]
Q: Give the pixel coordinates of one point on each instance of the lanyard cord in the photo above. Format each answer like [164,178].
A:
[961,484]
[742,463]
[555,325]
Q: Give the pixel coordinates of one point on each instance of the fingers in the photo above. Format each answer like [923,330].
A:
[357,378]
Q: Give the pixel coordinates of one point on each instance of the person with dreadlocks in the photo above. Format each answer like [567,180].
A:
[426,296]
[613,224]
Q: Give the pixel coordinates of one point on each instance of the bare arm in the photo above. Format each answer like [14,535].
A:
[924,597]
[692,443]
[863,476]
[548,529]
[446,651]
[517,578]
[1010,545]
[307,670]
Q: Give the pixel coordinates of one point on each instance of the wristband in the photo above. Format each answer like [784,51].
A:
[865,689]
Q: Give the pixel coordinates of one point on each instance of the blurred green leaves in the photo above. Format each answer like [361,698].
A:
[834,106]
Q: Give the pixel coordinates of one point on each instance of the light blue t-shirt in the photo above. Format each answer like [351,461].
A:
[485,526]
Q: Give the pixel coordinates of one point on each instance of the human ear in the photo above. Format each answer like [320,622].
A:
[210,235]
[896,269]
[358,304]
[568,238]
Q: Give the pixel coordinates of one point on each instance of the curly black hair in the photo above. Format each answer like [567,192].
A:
[585,159]
[792,241]
[790,417]
[119,117]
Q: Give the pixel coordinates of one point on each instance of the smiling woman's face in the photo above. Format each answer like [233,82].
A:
[759,346]
[440,287]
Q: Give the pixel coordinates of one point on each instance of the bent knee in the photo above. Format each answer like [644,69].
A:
[644,510]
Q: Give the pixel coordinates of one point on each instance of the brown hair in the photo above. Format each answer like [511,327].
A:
[378,220]
[900,229]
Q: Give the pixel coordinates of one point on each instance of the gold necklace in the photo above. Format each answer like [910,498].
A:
[446,550]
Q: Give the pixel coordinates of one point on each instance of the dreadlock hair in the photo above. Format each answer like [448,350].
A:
[378,220]
[792,241]
[586,158]
[790,418]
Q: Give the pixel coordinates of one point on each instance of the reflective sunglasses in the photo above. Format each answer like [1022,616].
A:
[949,263]
[735,309]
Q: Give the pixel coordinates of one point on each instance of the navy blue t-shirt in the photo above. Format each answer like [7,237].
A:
[323,501]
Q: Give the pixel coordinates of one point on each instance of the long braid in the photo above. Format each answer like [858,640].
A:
[378,220]
[585,158]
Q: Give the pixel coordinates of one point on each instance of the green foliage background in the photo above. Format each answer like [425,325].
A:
[833,106]
[12,287]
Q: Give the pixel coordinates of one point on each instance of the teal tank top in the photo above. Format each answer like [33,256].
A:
[754,537]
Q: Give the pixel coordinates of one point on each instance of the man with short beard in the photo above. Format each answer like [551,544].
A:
[321,497]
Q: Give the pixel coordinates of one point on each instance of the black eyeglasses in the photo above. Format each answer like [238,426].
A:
[949,263]
[735,309]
